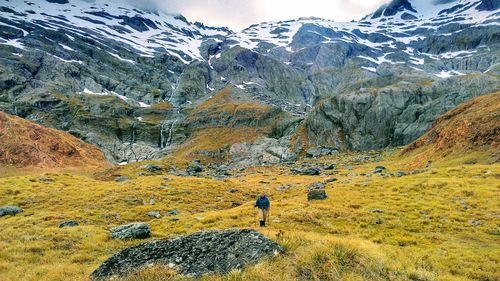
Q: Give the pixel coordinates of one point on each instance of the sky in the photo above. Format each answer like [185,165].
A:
[239,14]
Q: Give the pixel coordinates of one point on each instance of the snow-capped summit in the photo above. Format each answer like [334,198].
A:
[425,9]
[143,31]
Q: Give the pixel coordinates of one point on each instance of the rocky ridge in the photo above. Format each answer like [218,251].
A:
[132,80]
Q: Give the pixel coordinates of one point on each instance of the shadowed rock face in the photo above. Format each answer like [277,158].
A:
[193,255]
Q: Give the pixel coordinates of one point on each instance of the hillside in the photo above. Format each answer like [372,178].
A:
[25,144]
[99,69]
[471,127]
[437,223]
[135,142]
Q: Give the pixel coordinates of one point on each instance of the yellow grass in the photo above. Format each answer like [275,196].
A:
[424,233]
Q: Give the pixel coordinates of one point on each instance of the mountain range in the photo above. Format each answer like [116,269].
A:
[142,84]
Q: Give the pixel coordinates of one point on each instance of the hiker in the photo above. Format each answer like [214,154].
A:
[263,204]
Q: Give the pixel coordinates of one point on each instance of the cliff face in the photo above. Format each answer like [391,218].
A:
[127,79]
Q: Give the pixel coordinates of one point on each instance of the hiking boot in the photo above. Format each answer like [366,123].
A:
[262,223]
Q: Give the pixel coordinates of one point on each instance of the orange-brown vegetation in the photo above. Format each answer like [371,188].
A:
[474,125]
[224,107]
[29,145]
[162,106]
[212,144]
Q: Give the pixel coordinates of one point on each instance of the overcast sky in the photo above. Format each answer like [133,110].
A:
[239,14]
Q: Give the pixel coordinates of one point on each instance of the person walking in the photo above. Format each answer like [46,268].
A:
[263,204]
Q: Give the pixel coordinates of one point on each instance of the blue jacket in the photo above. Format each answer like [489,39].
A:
[262,203]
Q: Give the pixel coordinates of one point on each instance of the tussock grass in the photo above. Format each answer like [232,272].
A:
[427,229]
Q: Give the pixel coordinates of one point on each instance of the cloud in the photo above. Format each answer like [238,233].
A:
[238,14]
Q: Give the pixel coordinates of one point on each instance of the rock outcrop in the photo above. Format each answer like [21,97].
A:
[474,125]
[131,231]
[193,255]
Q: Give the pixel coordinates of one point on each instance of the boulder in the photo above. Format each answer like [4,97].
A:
[378,169]
[68,224]
[321,151]
[131,231]
[193,255]
[316,185]
[307,171]
[45,179]
[401,174]
[10,211]
[194,168]
[173,212]
[154,214]
[332,166]
[121,179]
[152,168]
[316,194]
[330,180]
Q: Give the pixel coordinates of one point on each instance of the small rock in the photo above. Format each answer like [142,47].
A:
[235,204]
[331,166]
[378,211]
[330,180]
[316,194]
[283,187]
[378,169]
[45,179]
[313,152]
[152,168]
[316,185]
[475,222]
[154,214]
[134,201]
[10,211]
[401,174]
[194,168]
[68,224]
[121,179]
[307,171]
[131,231]
[232,190]
[223,170]
[173,212]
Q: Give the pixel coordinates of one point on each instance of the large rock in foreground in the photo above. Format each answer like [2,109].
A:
[193,255]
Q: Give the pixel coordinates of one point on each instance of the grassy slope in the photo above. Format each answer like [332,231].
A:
[472,126]
[29,145]
[424,233]
[441,224]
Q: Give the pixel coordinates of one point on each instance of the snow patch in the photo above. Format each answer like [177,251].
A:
[447,74]
[372,69]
